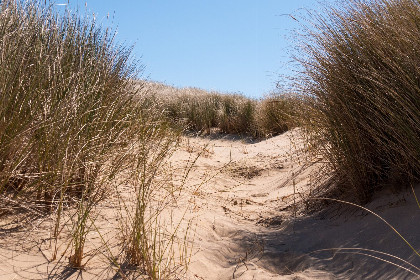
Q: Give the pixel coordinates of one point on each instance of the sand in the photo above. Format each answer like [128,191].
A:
[243,200]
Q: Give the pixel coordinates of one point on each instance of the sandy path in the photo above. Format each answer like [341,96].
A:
[246,225]
[239,198]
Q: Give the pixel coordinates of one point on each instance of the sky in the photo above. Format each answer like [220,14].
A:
[235,46]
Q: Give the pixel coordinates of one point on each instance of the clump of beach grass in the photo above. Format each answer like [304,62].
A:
[360,74]
[277,113]
[69,112]
[237,115]
[66,102]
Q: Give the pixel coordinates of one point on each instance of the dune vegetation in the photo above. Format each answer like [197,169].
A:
[361,77]
[71,120]
[200,111]
[79,126]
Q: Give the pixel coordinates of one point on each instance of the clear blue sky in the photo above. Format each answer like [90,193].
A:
[225,45]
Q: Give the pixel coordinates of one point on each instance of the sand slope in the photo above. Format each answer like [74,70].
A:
[247,229]
[239,198]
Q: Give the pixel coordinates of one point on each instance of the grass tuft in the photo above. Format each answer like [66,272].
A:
[362,79]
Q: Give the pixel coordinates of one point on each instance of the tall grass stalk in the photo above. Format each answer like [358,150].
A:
[147,244]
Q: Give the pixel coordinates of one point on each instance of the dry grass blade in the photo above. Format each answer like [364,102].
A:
[339,250]
[373,213]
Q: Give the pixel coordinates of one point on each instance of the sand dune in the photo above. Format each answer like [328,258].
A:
[244,201]
[247,227]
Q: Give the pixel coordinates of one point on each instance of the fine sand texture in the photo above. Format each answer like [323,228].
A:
[245,207]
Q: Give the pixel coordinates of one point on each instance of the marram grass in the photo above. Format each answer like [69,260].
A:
[362,78]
